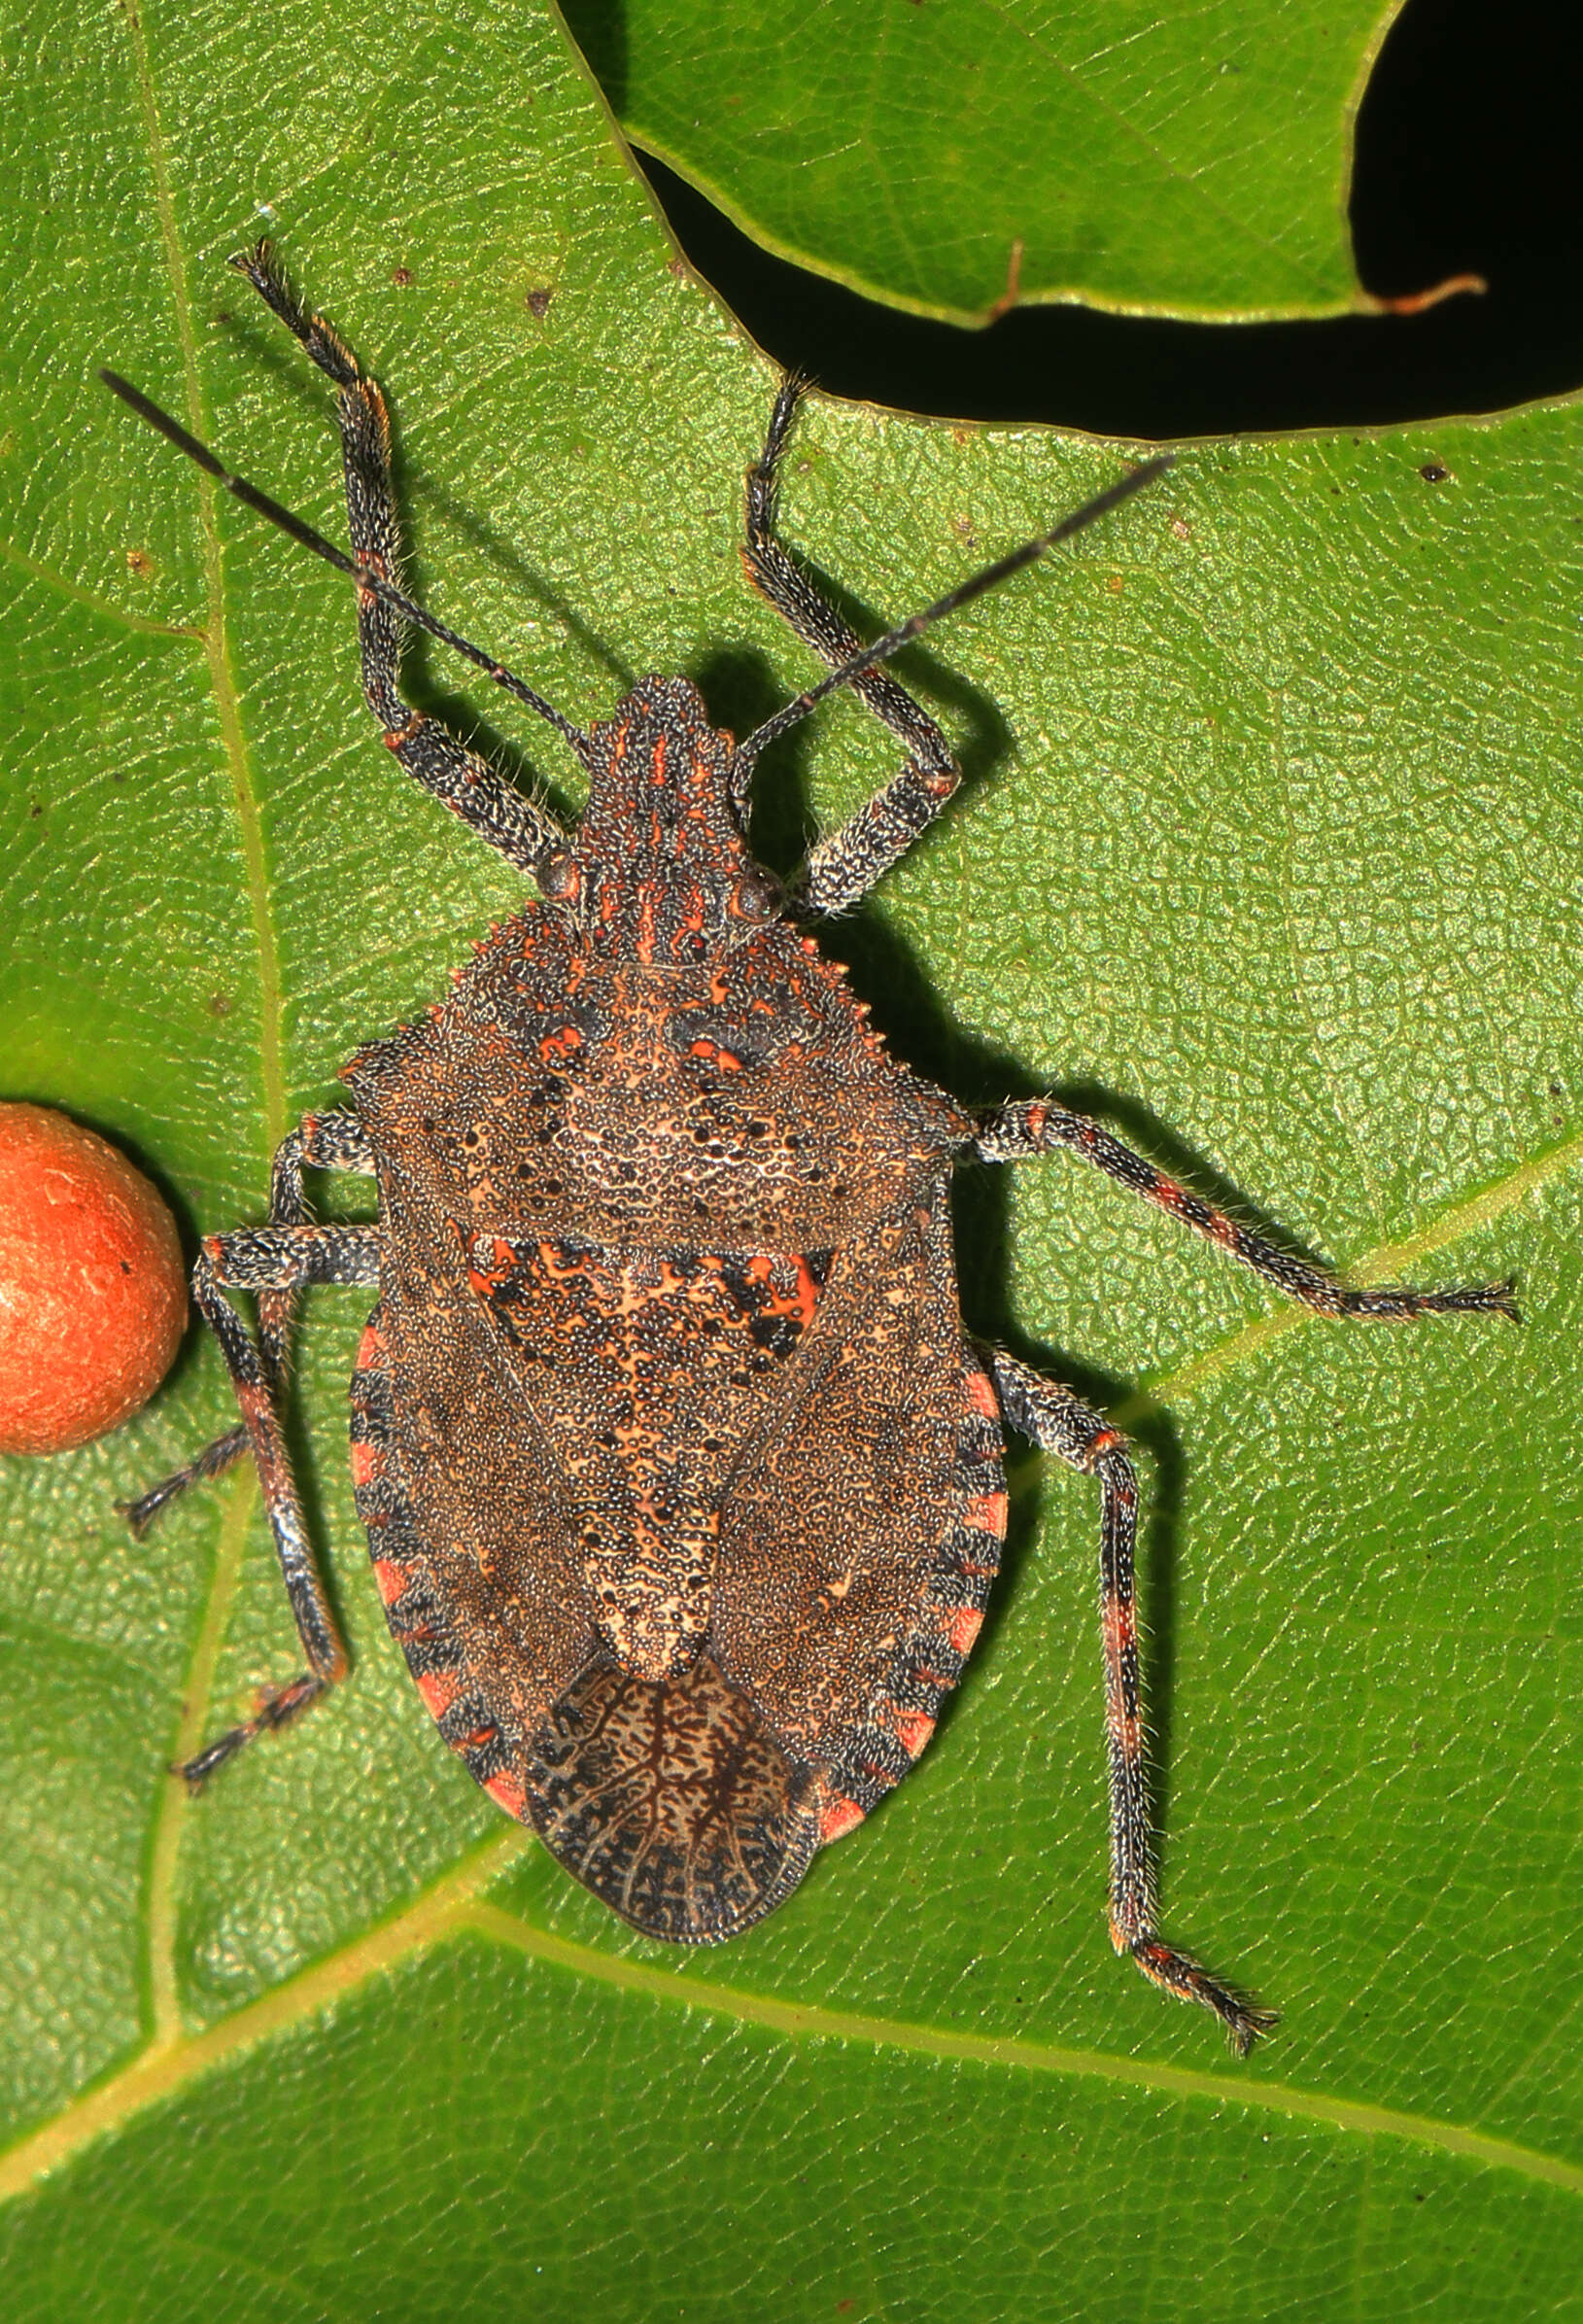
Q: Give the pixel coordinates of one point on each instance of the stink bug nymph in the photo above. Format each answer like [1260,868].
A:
[683,1487]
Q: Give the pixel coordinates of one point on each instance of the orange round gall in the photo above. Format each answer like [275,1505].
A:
[92,1288]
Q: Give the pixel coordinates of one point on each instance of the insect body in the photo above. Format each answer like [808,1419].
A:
[683,1487]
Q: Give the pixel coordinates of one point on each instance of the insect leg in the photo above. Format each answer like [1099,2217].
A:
[456,776]
[1034,1126]
[845,865]
[265,1258]
[333,1141]
[1059,1424]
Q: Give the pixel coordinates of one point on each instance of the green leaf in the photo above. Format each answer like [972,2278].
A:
[954,155]
[1269,849]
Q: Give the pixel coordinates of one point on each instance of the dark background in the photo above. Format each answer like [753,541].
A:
[1466,163]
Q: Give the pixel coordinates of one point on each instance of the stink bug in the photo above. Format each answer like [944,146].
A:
[683,1487]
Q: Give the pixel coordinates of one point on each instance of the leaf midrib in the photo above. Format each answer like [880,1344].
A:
[164,1849]
[453,1909]
[215,634]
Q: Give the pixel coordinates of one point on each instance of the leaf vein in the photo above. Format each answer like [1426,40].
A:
[453,1908]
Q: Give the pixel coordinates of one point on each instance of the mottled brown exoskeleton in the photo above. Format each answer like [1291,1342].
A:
[683,1488]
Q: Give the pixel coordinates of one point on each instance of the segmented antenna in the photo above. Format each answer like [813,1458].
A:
[916,623]
[298,530]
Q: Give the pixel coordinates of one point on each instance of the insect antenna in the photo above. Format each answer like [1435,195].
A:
[916,623]
[365,577]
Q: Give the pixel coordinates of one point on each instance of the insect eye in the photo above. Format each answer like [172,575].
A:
[757,897]
[558,875]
